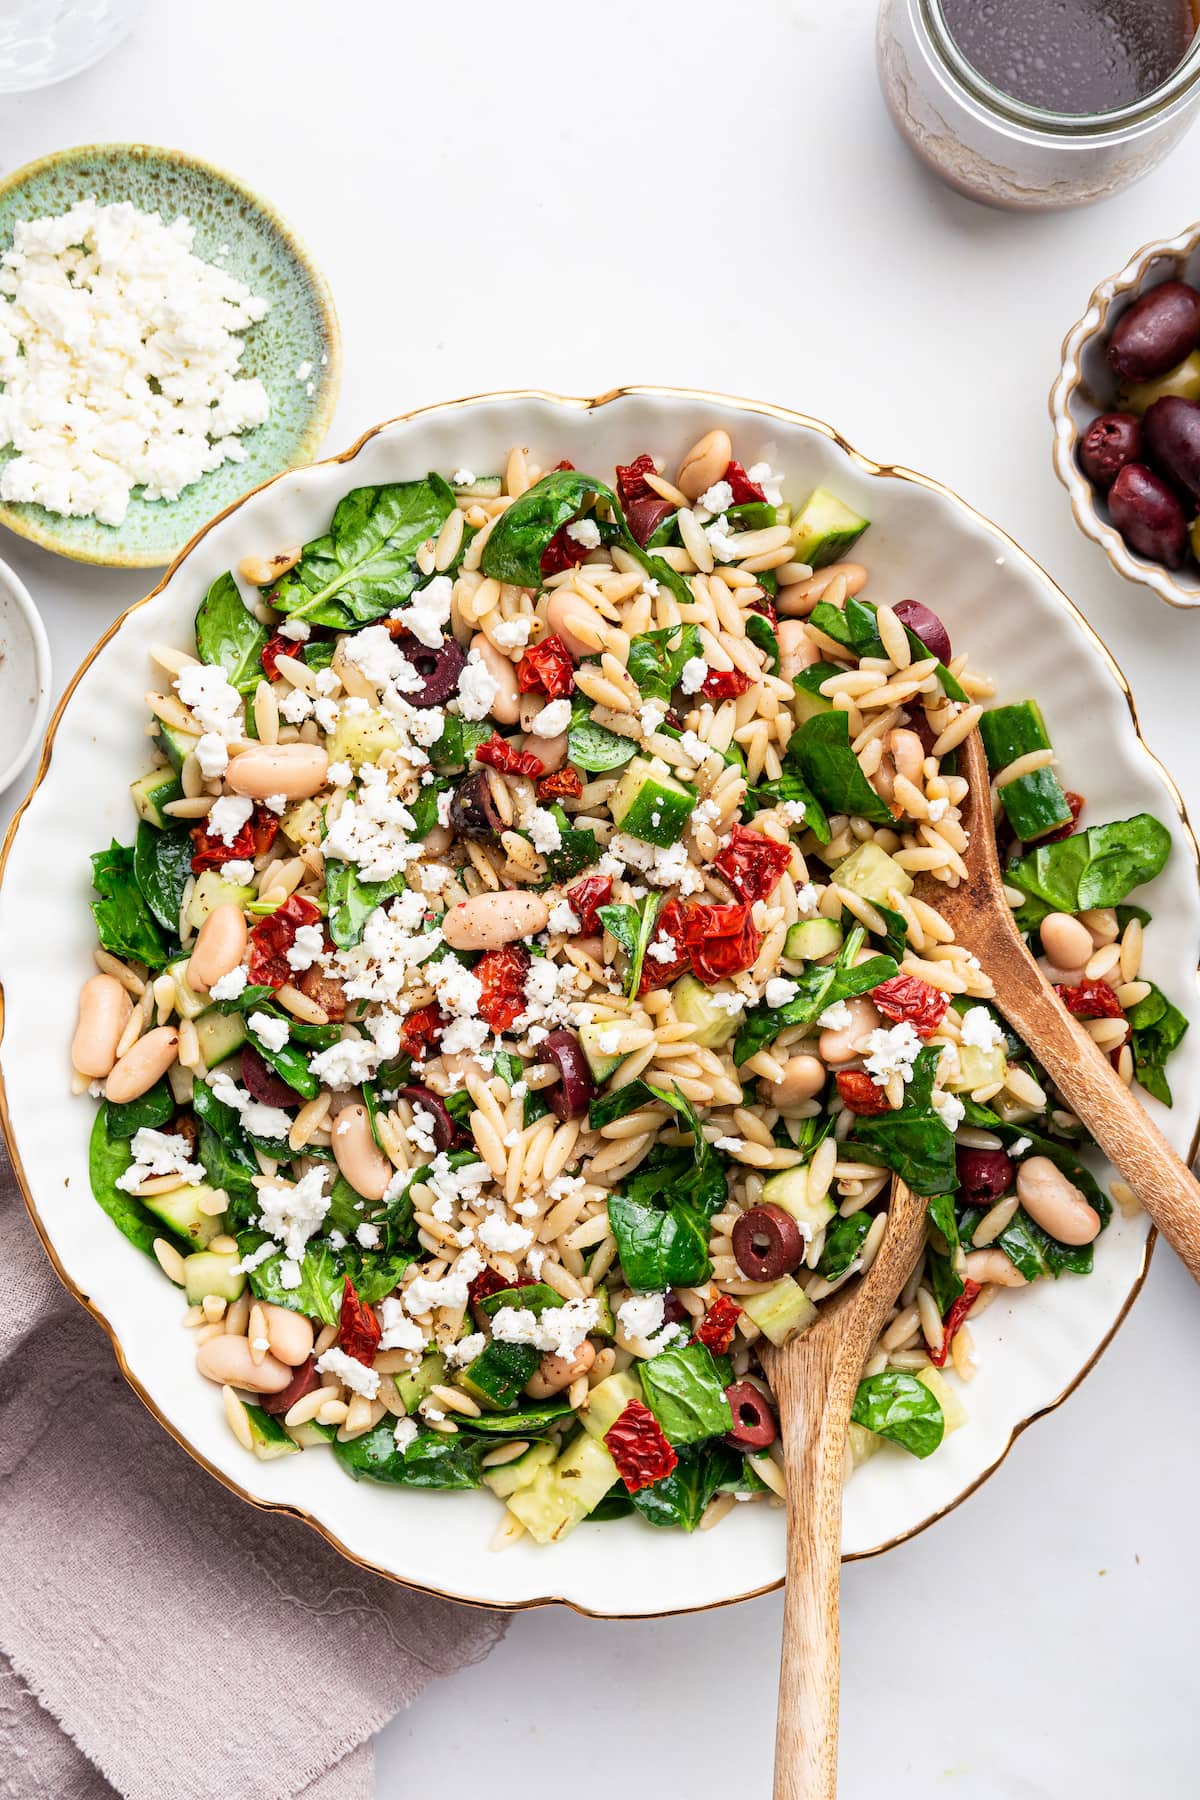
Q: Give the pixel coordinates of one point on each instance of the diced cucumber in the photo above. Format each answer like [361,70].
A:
[220,1035]
[269,1436]
[608,1400]
[789,1189]
[180,1209]
[561,1495]
[520,1472]
[1034,804]
[188,1003]
[413,1386]
[655,808]
[211,891]
[1183,380]
[310,1434]
[874,874]
[480,487]
[825,529]
[781,1311]
[150,793]
[176,745]
[953,1410]
[977,1068]
[207,1272]
[812,939]
[863,1444]
[601,1062]
[809,699]
[301,824]
[694,1004]
[362,737]
[498,1373]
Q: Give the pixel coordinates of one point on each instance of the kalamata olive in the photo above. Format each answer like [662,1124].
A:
[983,1174]
[754,1426]
[1149,515]
[327,990]
[674,1311]
[1110,442]
[444,1131]
[473,811]
[262,1081]
[572,1095]
[924,623]
[1157,332]
[644,517]
[439,670]
[767,1243]
[304,1381]
[1172,428]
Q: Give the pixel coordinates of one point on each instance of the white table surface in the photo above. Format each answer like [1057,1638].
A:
[724,205]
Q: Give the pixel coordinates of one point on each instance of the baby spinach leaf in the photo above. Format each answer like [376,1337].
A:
[758,630]
[843,1241]
[1091,868]
[686,1394]
[704,1185]
[319,1295]
[515,547]
[162,868]
[789,786]
[912,1141]
[855,627]
[656,659]
[896,939]
[942,1216]
[633,928]
[944,1284]
[617,1102]
[228,634]
[424,808]
[820,985]
[289,1062]
[680,1498]
[1035,1252]
[577,851]
[594,747]
[896,1405]
[352,901]
[1158,1028]
[659,1248]
[528,1421]
[374,1275]
[820,750]
[109,1155]
[430,1461]
[124,923]
[150,1111]
[366,563]
[535,1298]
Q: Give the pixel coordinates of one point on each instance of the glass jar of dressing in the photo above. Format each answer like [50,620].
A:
[1040,103]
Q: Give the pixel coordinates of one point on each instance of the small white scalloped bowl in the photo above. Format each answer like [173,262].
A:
[24,676]
[1086,387]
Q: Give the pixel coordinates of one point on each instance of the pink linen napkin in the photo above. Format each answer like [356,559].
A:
[158,1636]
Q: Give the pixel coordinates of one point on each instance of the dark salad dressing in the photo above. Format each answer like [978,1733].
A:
[1073,56]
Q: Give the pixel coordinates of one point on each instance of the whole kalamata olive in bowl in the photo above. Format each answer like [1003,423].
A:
[1156,333]
[1110,442]
[1172,431]
[1149,515]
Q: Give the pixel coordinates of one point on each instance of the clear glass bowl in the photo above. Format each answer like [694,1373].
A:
[43,41]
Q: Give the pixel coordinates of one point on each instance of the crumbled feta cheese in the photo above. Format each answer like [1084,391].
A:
[694,746]
[305,948]
[641,1317]
[477,688]
[980,1030]
[375,651]
[731,1145]
[227,815]
[340,774]
[228,987]
[949,1108]
[422,1295]
[835,1017]
[212,755]
[663,948]
[559,1329]
[544,830]
[585,532]
[404,1433]
[240,871]
[512,634]
[465,1350]
[399,1331]
[731,1004]
[291,1215]
[553,719]
[500,1235]
[427,612]
[892,1050]
[720,540]
[346,1064]
[693,675]
[780,990]
[350,1372]
[938,809]
[276,803]
[205,691]
[368,1235]
[462,478]
[652,717]
[718,499]
[794,811]
[295,706]
[808,901]
[159,1153]
[663,867]
[269,1030]
[299,630]
[563,917]
[1021,1145]
[765,477]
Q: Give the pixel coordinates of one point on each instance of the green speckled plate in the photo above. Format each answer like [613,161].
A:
[300,327]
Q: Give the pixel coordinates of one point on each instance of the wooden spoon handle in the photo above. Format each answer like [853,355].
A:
[1123,1129]
[814,1421]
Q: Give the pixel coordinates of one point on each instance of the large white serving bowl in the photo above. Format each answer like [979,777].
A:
[1033,1346]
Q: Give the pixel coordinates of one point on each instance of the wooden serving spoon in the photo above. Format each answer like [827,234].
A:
[983,922]
[814,1379]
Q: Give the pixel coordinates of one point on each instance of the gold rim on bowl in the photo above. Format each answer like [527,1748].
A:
[895,472]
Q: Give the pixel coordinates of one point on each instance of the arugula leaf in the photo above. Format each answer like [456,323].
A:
[820,985]
[789,787]
[162,868]
[228,634]
[351,901]
[633,928]
[680,1498]
[843,1241]
[758,630]
[124,923]
[430,1461]
[820,749]
[366,563]
[109,1155]
[855,628]
[656,658]
[594,747]
[895,1405]
[912,1141]
[1091,868]
[686,1394]
[1158,1028]
[659,1248]
[150,1110]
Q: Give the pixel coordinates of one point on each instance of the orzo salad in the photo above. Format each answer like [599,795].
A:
[527,978]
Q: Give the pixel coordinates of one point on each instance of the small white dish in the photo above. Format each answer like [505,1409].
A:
[1087,387]
[24,676]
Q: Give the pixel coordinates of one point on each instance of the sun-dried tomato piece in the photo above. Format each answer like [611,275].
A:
[265,826]
[502,755]
[638,1446]
[560,466]
[564,784]
[421,1030]
[359,1331]
[274,648]
[1091,1000]
[725,684]
[562,552]
[907,998]
[721,940]
[752,863]
[501,973]
[547,668]
[273,937]
[1076,803]
[255,836]
[950,1324]
[586,897]
[860,1094]
[658,972]
[744,490]
[631,479]
[765,607]
[718,1325]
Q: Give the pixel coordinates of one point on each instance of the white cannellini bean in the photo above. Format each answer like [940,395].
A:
[992,1266]
[1055,1203]
[796,649]
[704,464]
[142,1065]
[104,1009]
[1067,942]
[295,770]
[506,707]
[357,1154]
[289,1334]
[837,1042]
[803,1078]
[219,947]
[228,1360]
[487,921]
